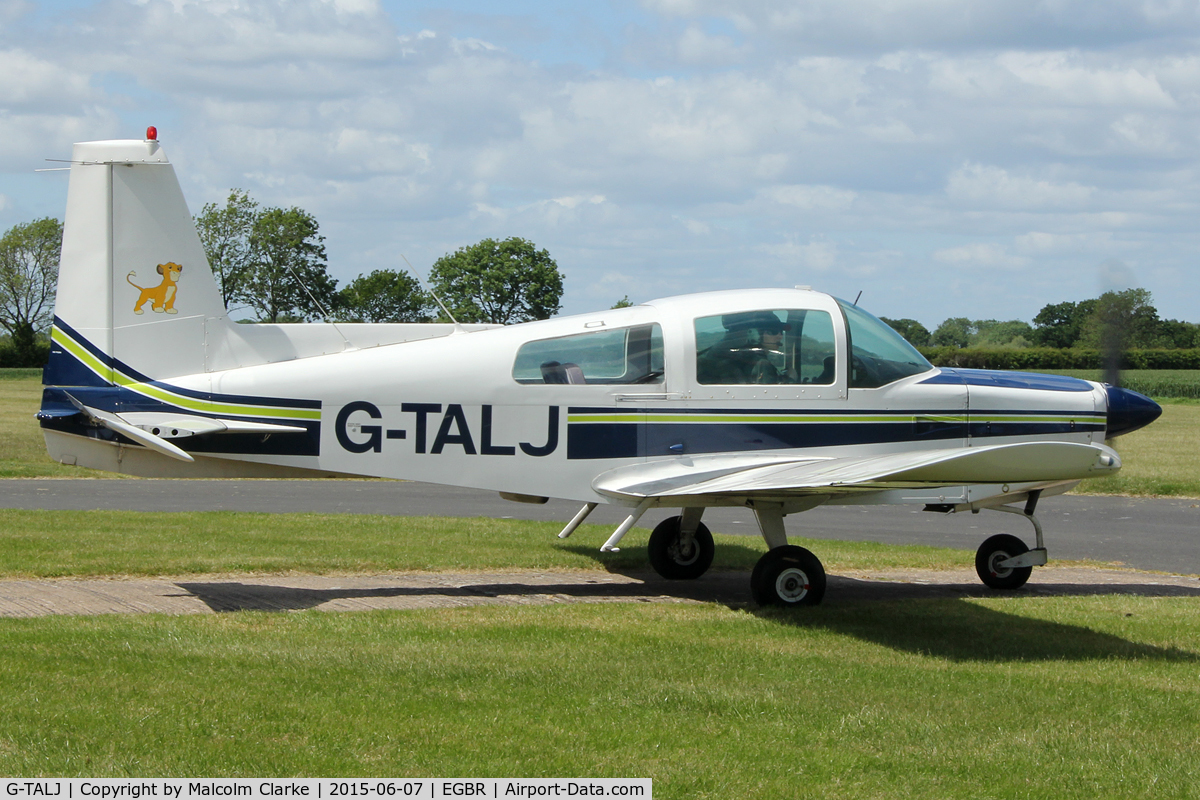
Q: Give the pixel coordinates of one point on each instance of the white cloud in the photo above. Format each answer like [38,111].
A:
[816,255]
[697,47]
[810,197]
[862,142]
[987,186]
[859,25]
[982,254]
[1041,243]
[1071,83]
[29,82]
[365,7]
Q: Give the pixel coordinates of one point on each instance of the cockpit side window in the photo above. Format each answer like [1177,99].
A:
[879,355]
[620,356]
[765,347]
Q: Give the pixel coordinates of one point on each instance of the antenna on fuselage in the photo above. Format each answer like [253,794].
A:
[425,286]
[860,291]
[320,307]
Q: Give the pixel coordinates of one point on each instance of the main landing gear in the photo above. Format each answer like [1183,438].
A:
[788,576]
[681,548]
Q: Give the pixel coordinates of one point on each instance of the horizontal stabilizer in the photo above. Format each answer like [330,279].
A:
[177,426]
[153,429]
[145,438]
[724,476]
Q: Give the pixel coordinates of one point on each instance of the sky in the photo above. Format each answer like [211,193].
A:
[945,158]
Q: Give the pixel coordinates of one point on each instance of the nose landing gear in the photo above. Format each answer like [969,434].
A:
[1004,561]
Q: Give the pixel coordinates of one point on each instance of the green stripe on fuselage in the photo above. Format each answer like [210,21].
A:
[163,395]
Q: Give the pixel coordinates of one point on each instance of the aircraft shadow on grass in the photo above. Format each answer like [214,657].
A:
[958,630]
[925,619]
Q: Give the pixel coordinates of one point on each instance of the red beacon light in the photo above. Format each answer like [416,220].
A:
[152,134]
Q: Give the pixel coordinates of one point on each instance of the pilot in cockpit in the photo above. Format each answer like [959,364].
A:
[753,340]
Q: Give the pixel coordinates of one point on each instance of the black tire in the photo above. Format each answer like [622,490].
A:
[996,549]
[677,557]
[788,576]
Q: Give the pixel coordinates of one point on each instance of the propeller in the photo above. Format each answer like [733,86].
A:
[1114,276]
[1127,410]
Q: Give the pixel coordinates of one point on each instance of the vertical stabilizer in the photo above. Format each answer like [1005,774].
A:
[135,292]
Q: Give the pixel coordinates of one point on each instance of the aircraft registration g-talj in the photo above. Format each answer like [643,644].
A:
[777,400]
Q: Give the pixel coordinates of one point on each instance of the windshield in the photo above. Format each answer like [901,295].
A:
[879,355]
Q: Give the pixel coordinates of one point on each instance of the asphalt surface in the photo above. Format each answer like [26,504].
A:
[1143,533]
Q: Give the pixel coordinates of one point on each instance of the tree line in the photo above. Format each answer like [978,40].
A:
[28,276]
[272,262]
[1128,316]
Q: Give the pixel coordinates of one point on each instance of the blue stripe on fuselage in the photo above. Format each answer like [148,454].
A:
[648,438]
[1009,380]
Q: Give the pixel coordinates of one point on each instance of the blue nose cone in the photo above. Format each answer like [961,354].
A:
[1128,411]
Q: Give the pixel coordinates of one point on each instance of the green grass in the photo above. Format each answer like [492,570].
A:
[1006,697]
[22,449]
[102,543]
[1032,697]
[1161,459]
[1156,383]
[20,374]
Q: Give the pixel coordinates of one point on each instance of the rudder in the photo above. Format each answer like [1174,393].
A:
[129,246]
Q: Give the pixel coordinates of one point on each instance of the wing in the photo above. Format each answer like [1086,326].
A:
[758,476]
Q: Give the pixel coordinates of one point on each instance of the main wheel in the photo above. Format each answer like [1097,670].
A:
[677,556]
[788,576]
[998,548]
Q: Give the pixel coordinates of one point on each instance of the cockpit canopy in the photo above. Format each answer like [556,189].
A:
[831,342]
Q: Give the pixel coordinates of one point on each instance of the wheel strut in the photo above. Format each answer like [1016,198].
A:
[1037,556]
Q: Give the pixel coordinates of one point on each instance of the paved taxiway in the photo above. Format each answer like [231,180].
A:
[1144,533]
[406,590]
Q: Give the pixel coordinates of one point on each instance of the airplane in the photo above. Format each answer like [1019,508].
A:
[776,400]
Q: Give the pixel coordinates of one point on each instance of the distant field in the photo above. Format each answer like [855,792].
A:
[22,450]
[1161,459]
[1156,383]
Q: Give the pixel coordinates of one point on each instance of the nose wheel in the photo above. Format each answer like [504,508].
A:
[992,562]
[1004,561]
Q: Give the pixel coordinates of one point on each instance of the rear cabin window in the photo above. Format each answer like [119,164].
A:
[769,346]
[623,355]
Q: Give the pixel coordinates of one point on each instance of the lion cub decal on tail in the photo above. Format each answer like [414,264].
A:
[162,297]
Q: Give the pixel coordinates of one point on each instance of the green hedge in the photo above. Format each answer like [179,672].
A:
[34,356]
[1039,358]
